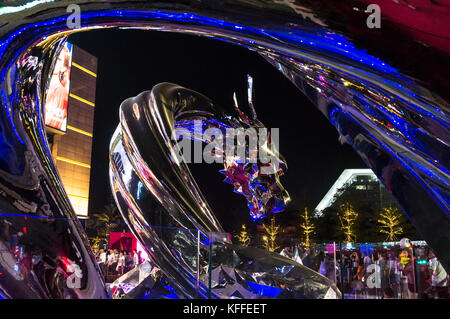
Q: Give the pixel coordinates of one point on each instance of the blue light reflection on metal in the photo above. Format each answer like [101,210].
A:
[322,64]
[264,290]
[401,160]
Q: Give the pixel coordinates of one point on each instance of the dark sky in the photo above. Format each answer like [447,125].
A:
[131,61]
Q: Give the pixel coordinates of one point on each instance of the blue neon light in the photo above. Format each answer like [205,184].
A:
[264,290]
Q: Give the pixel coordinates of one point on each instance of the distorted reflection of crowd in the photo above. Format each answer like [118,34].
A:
[392,273]
[114,263]
[385,274]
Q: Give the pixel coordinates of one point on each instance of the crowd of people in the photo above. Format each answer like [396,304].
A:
[378,272]
[114,263]
[385,274]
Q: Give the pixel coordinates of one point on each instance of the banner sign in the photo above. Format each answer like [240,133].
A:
[58,91]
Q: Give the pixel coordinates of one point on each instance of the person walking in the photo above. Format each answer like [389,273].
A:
[439,278]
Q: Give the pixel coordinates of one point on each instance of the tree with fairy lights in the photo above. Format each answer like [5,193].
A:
[390,223]
[307,227]
[243,237]
[272,231]
[347,219]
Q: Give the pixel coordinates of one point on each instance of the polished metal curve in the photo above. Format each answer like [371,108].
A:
[396,118]
[152,185]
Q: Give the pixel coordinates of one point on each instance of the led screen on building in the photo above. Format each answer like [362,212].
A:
[58,91]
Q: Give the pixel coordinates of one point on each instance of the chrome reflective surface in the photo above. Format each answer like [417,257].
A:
[125,284]
[147,176]
[253,273]
[44,250]
[395,116]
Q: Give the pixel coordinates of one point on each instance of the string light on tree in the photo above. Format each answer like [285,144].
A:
[266,242]
[347,218]
[307,228]
[243,237]
[272,231]
[390,221]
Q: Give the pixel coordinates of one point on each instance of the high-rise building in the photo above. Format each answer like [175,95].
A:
[368,198]
[69,119]
[361,182]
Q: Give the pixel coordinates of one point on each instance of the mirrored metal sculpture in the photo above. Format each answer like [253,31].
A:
[387,97]
[147,172]
[141,276]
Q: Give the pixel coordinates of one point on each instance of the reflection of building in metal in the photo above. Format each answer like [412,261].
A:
[72,150]
[363,181]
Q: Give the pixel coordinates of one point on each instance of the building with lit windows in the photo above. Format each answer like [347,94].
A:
[69,119]
[362,182]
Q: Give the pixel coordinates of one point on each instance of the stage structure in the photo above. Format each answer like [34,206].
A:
[386,94]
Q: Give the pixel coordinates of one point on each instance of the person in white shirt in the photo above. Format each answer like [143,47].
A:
[109,261]
[102,256]
[102,261]
[135,258]
[115,261]
[121,264]
[439,278]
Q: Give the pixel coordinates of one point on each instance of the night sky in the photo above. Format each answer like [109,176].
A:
[131,61]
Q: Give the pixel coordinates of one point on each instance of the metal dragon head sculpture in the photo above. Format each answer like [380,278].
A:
[241,143]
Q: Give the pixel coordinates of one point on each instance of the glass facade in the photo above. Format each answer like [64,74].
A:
[72,151]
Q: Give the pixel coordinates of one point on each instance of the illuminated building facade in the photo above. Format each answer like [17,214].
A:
[362,182]
[72,148]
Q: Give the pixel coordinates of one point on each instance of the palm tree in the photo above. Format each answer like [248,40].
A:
[107,218]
